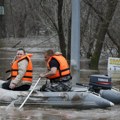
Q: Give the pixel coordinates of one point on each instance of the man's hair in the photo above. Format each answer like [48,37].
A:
[21,49]
[49,52]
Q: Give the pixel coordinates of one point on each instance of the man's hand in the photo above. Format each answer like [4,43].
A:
[42,75]
[12,85]
[9,77]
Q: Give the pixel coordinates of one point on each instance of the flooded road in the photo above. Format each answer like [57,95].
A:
[38,113]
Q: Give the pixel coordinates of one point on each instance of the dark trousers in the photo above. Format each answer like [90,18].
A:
[20,88]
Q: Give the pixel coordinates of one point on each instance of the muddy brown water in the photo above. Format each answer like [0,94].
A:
[38,113]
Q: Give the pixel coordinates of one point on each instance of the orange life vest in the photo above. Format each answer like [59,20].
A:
[28,74]
[64,68]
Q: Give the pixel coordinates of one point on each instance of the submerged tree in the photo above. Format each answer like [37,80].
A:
[106,18]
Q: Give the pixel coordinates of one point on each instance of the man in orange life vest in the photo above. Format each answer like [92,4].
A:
[58,72]
[21,72]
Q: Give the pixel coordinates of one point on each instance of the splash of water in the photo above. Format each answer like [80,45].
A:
[11,105]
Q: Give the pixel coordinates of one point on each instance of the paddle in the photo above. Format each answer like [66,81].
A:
[29,93]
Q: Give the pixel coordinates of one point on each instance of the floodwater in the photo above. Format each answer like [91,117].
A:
[38,113]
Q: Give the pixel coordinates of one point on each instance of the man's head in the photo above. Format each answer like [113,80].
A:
[48,54]
[20,53]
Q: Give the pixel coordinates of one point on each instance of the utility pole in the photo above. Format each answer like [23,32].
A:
[2,21]
[75,42]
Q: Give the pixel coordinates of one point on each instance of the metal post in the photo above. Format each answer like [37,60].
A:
[75,42]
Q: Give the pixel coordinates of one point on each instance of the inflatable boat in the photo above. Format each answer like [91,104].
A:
[102,84]
[78,98]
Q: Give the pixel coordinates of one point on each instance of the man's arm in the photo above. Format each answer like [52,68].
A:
[54,65]
[50,73]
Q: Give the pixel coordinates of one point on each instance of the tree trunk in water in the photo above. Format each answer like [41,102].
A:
[119,51]
[69,41]
[60,29]
[103,27]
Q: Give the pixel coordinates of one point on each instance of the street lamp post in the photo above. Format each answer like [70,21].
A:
[75,42]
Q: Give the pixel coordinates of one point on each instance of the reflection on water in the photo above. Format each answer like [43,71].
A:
[30,113]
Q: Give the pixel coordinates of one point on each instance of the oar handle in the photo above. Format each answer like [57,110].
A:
[29,93]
